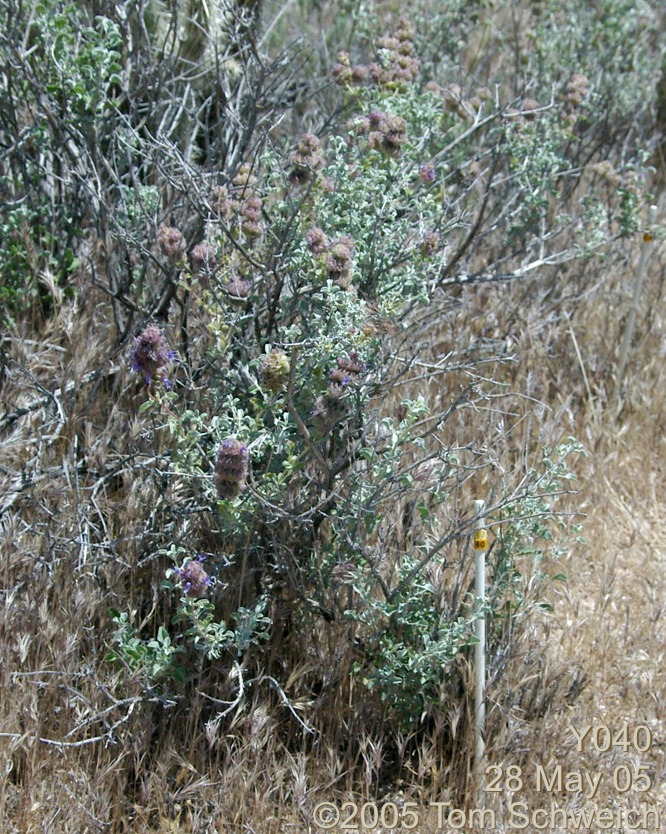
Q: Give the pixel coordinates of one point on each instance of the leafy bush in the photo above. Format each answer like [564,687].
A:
[60,74]
[314,258]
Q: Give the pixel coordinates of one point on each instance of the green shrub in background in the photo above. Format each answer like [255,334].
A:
[59,73]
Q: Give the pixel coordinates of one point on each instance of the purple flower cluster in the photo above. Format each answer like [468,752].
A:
[346,372]
[193,578]
[231,468]
[333,406]
[316,240]
[150,355]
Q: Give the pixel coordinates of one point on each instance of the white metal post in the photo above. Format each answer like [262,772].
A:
[480,548]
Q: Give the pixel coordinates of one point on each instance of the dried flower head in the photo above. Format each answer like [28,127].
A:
[252,208]
[514,118]
[452,95]
[358,125]
[387,132]
[238,288]
[333,406]
[193,578]
[388,42]
[390,134]
[150,355]
[606,170]
[250,216]
[406,30]
[454,101]
[529,108]
[343,573]
[396,67]
[577,89]
[231,467]
[427,173]
[429,244]
[341,72]
[376,119]
[203,258]
[220,202]
[274,370]
[307,159]
[344,73]
[330,409]
[359,74]
[339,260]
[244,178]
[347,371]
[316,240]
[172,243]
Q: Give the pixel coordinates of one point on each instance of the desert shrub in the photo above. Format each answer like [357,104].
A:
[312,260]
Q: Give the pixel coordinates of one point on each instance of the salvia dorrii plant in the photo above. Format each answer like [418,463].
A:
[314,258]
